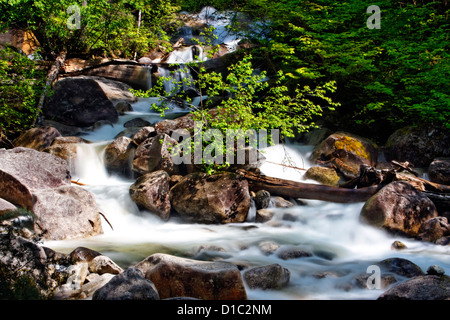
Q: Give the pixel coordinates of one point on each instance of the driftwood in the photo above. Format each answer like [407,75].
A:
[293,189]
[51,76]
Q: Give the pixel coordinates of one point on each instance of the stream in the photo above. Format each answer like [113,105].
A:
[342,247]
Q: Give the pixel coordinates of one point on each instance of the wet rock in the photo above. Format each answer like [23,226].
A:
[66,212]
[435,270]
[419,146]
[401,267]
[118,156]
[280,202]
[122,107]
[129,285]
[288,253]
[439,171]
[425,287]
[386,280]
[179,277]
[264,215]
[153,154]
[151,192]
[262,199]
[136,122]
[398,208]
[24,170]
[433,229]
[83,254]
[323,175]
[268,247]
[398,245]
[267,277]
[37,138]
[82,101]
[143,134]
[347,152]
[217,198]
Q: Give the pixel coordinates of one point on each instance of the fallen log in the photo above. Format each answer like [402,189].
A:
[293,189]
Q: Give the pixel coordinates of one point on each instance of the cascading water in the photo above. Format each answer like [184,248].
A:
[342,247]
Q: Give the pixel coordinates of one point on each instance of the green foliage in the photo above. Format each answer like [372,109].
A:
[21,84]
[106,27]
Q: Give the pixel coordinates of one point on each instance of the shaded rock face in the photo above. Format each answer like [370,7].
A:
[218,198]
[153,154]
[129,285]
[347,152]
[439,171]
[37,138]
[420,146]
[180,277]
[425,287]
[399,208]
[151,192]
[80,102]
[119,155]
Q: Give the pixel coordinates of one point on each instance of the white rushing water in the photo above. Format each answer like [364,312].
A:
[342,247]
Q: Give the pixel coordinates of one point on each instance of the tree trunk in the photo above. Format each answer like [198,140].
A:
[52,75]
[293,189]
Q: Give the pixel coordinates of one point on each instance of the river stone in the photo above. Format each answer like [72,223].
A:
[419,146]
[24,170]
[142,134]
[267,277]
[129,285]
[180,277]
[80,101]
[136,122]
[434,229]
[37,138]
[439,171]
[66,212]
[262,199]
[153,154]
[347,152]
[118,156]
[425,287]
[398,208]
[102,264]
[401,267]
[82,254]
[151,192]
[218,198]
[327,176]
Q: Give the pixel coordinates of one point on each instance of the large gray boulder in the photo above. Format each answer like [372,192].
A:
[218,198]
[24,170]
[66,212]
[179,277]
[82,101]
[398,208]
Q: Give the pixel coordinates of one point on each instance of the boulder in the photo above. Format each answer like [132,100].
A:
[401,267]
[419,146]
[323,175]
[167,126]
[37,138]
[288,253]
[262,199]
[65,147]
[6,206]
[143,134]
[66,212]
[398,208]
[23,171]
[129,285]
[179,277]
[267,277]
[434,229]
[118,156]
[82,254]
[439,171]
[82,101]
[347,152]
[102,264]
[136,122]
[153,154]
[425,287]
[151,192]
[218,198]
